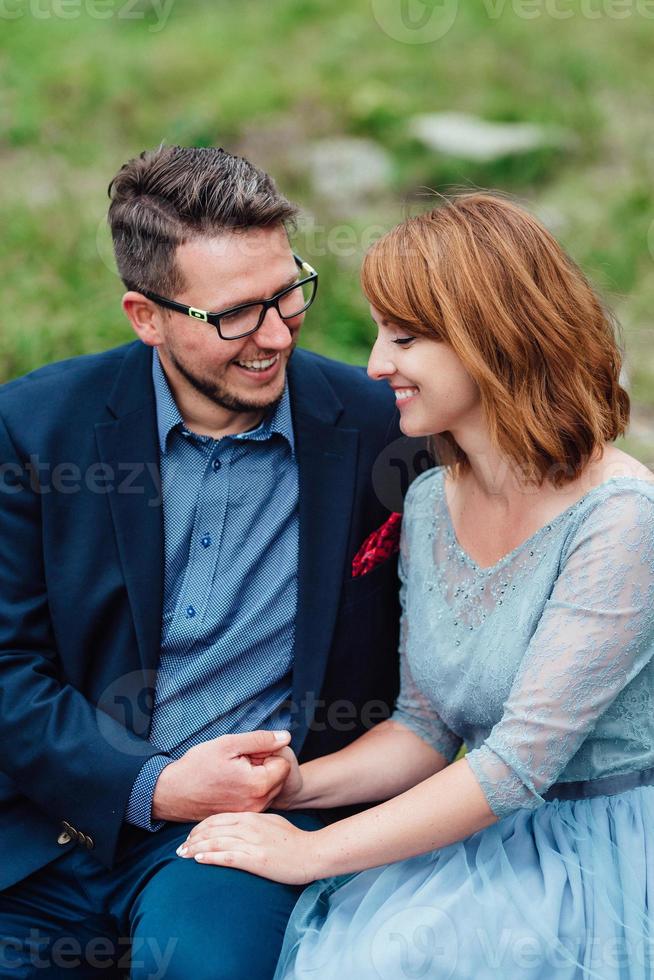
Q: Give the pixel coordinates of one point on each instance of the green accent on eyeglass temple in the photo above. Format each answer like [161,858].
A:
[198,314]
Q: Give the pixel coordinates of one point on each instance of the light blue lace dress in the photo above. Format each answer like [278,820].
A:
[542,664]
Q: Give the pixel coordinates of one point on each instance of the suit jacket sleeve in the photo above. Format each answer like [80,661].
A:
[70,758]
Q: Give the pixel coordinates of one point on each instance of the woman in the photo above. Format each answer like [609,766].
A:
[527,569]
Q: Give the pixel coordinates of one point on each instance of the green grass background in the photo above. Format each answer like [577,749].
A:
[79,95]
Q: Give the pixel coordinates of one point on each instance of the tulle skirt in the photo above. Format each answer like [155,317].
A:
[565,891]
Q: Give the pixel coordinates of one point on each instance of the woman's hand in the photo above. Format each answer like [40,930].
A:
[262,843]
[291,788]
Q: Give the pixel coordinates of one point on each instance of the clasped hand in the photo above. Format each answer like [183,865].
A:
[226,784]
[229,774]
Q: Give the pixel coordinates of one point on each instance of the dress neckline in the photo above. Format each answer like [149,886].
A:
[487,569]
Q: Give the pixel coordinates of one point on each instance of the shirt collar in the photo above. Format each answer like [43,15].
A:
[276,422]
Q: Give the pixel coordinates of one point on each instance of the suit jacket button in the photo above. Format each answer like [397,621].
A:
[64,838]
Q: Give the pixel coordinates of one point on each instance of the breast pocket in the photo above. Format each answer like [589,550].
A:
[382,578]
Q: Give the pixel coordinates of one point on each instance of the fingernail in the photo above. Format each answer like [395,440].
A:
[199,857]
[281,736]
[182,849]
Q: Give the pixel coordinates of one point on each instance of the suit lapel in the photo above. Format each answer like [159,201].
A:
[128,445]
[327,458]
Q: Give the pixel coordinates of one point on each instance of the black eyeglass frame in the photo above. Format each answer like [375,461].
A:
[265,304]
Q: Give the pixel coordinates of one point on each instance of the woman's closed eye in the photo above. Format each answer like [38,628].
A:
[403,341]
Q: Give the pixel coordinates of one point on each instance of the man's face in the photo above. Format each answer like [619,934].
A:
[221,272]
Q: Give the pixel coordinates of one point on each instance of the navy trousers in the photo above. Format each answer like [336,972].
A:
[154,916]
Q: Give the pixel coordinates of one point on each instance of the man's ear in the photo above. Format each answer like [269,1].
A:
[144,316]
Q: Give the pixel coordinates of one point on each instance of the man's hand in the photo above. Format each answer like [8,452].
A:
[219,776]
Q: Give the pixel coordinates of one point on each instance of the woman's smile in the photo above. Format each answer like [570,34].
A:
[403,395]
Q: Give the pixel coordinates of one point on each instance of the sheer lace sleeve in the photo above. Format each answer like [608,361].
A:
[413,709]
[594,637]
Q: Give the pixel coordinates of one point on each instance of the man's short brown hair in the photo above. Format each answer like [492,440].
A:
[166,197]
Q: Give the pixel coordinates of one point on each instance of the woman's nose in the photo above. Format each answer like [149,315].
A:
[380,366]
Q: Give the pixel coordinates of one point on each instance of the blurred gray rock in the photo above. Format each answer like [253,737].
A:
[348,169]
[554,219]
[472,138]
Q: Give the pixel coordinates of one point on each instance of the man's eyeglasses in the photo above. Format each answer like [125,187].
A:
[240,321]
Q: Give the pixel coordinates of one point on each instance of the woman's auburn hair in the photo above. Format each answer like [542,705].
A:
[484,276]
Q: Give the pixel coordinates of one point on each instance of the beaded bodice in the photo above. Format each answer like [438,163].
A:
[542,663]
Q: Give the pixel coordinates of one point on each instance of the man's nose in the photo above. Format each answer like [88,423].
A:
[274,332]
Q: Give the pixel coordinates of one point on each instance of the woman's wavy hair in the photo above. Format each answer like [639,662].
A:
[483,275]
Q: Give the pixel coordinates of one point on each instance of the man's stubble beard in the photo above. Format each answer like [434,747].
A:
[219,394]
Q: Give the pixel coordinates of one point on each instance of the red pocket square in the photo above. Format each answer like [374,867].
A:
[378,546]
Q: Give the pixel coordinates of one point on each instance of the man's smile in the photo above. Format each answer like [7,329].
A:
[263,369]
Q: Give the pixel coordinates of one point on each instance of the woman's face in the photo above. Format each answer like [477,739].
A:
[433,390]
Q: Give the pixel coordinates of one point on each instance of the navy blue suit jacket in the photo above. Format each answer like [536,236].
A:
[81,581]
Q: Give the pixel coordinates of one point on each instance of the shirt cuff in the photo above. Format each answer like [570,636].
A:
[139,805]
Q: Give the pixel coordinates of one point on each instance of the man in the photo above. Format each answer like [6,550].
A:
[178,519]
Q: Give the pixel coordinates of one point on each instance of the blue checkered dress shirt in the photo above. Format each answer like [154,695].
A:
[230,510]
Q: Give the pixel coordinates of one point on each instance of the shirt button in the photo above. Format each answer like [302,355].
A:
[206,541]
[190,612]
[216,465]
